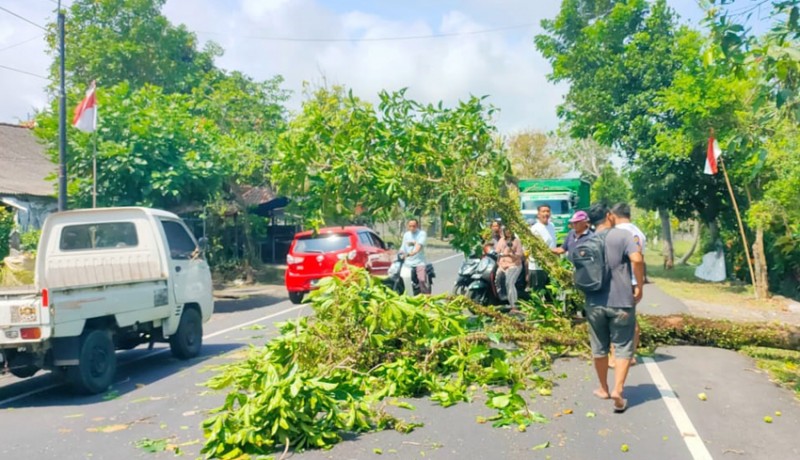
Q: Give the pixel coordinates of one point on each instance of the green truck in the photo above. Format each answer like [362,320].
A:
[565,196]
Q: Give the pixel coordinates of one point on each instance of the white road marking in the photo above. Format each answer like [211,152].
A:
[32,392]
[207,336]
[690,436]
[447,258]
[162,350]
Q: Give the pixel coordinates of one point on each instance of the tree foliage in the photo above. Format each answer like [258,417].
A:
[173,130]
[115,41]
[533,155]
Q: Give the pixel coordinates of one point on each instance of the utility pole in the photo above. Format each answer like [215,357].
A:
[62,118]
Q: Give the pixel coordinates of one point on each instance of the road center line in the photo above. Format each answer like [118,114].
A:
[157,352]
[689,434]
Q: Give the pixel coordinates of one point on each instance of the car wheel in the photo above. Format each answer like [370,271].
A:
[296,297]
[186,342]
[97,363]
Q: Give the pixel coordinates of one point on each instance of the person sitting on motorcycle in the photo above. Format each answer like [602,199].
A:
[495,232]
[509,266]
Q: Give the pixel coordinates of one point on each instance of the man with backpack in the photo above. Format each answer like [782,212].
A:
[603,264]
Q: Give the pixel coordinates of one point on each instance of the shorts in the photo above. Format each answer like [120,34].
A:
[609,325]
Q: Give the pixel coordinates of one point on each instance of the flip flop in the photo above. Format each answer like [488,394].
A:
[598,394]
[619,410]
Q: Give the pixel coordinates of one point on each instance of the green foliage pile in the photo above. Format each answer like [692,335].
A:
[331,373]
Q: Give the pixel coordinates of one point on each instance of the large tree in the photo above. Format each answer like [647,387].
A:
[173,128]
[617,56]
[115,41]
[533,155]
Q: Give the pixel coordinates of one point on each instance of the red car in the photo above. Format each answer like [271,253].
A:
[313,256]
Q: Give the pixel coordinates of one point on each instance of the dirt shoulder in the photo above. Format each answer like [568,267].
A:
[729,301]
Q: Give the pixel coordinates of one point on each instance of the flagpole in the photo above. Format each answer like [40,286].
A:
[741,227]
[94,169]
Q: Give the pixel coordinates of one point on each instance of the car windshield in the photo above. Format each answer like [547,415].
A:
[556,206]
[329,242]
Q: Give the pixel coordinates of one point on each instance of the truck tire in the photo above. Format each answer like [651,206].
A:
[296,297]
[97,363]
[186,342]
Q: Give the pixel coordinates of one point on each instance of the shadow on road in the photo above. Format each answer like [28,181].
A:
[135,368]
[250,303]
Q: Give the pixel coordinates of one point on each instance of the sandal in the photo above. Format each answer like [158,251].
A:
[598,393]
[621,409]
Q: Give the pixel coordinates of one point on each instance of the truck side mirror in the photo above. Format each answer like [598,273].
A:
[203,243]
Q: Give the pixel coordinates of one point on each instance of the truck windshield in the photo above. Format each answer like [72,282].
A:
[329,242]
[556,206]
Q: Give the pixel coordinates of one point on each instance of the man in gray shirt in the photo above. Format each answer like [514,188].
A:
[611,311]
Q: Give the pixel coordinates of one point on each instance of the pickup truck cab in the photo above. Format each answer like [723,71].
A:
[106,279]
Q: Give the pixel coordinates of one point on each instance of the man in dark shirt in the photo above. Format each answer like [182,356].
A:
[580,230]
[611,311]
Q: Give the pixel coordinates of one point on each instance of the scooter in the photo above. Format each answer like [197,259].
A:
[398,271]
[394,278]
[464,278]
[483,289]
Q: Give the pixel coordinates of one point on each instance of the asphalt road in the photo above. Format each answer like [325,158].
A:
[157,397]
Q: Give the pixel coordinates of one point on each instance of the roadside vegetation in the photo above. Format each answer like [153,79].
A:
[192,136]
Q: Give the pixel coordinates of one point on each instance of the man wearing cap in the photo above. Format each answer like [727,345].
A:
[580,230]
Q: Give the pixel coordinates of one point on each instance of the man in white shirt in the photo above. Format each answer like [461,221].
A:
[622,215]
[545,230]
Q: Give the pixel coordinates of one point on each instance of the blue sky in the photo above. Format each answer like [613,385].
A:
[503,64]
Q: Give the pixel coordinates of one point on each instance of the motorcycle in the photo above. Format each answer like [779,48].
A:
[483,289]
[464,278]
[398,271]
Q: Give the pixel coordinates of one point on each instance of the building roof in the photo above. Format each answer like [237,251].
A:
[23,163]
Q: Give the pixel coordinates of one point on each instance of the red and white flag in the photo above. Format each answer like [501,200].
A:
[712,155]
[86,112]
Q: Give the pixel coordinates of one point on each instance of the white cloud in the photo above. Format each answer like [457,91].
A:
[503,65]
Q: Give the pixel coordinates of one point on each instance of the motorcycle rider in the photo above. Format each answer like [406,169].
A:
[413,246]
[509,266]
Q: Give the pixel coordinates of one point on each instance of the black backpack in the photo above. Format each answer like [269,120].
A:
[589,259]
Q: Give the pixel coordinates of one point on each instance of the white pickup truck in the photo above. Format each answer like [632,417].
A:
[106,279]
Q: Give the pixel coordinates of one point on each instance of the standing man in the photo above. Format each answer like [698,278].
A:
[414,247]
[545,230]
[622,219]
[580,230]
[611,310]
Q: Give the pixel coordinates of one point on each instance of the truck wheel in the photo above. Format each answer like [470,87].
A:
[188,339]
[296,297]
[20,364]
[98,363]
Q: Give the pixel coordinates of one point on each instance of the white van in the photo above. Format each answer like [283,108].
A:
[106,279]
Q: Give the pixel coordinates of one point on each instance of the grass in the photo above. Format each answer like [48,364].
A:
[783,366]
[680,282]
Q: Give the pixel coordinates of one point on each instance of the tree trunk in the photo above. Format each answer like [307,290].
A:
[761,281]
[713,230]
[696,240]
[691,330]
[666,235]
